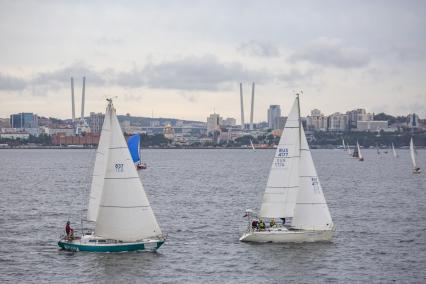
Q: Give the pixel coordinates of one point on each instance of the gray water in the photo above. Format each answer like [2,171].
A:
[199,198]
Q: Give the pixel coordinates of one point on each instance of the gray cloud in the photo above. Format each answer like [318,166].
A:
[11,83]
[257,48]
[331,52]
[188,74]
[191,73]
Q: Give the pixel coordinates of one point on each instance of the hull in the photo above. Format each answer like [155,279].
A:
[284,236]
[79,245]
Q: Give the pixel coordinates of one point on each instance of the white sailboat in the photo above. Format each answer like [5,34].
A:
[293,193]
[394,152]
[416,169]
[118,205]
[343,144]
[360,157]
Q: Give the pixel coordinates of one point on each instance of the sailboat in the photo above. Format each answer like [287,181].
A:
[252,146]
[118,205]
[293,193]
[416,169]
[378,149]
[360,157]
[343,144]
[394,152]
[134,144]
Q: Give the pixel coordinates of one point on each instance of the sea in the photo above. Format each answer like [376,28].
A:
[199,198]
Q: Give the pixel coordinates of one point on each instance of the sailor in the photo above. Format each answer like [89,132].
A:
[261,225]
[283,219]
[254,224]
[272,223]
[69,231]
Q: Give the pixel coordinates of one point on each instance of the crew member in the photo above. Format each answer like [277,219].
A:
[69,231]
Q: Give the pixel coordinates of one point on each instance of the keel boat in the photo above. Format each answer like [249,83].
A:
[134,144]
[416,169]
[118,205]
[293,194]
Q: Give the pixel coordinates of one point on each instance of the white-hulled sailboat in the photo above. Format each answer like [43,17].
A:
[252,146]
[416,169]
[394,152]
[124,220]
[293,193]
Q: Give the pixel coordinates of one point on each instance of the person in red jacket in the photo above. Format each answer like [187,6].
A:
[69,231]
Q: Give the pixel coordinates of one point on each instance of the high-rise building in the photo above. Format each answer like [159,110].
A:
[338,122]
[96,121]
[274,112]
[24,120]
[213,122]
[358,114]
[316,121]
[413,120]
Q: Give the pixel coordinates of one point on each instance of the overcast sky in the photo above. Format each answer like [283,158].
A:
[185,59]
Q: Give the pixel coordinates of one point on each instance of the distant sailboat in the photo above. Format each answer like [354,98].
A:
[293,193]
[252,146]
[134,143]
[416,169]
[343,144]
[394,152]
[360,157]
[378,149]
[118,205]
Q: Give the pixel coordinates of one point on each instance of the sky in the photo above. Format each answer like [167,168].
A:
[185,59]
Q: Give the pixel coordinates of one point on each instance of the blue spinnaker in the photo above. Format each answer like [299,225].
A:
[133,143]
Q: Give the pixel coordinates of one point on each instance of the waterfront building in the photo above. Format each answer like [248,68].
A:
[338,122]
[279,122]
[371,125]
[213,122]
[230,122]
[358,114]
[96,121]
[168,132]
[24,120]
[274,111]
[317,121]
[15,135]
[413,120]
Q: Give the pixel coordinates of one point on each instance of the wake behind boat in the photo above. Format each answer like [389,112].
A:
[293,194]
[124,220]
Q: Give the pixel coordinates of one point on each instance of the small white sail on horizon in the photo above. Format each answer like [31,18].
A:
[252,146]
[394,152]
[360,157]
[416,169]
[343,144]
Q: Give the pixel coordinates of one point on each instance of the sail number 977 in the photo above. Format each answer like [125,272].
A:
[119,168]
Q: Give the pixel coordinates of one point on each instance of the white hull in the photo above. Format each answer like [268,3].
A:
[285,236]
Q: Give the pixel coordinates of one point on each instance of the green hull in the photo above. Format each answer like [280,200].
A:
[77,246]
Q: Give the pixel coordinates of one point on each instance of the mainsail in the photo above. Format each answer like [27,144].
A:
[413,154]
[280,194]
[124,211]
[359,150]
[394,152]
[311,211]
[99,168]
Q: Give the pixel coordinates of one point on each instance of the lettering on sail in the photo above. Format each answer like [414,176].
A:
[280,160]
[119,168]
[315,184]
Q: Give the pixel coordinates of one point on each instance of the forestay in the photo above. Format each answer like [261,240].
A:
[124,211]
[311,210]
[280,194]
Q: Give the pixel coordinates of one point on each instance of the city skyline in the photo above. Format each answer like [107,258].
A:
[186,59]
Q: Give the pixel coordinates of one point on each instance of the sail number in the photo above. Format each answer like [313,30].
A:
[282,152]
[119,168]
[315,185]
